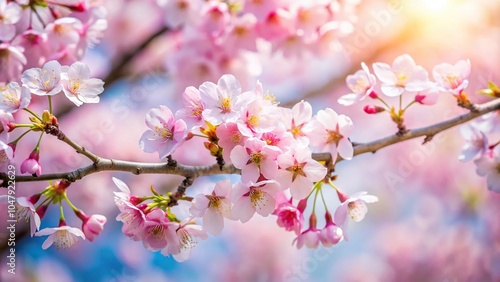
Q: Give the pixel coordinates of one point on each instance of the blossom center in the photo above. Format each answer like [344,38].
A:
[296,170]
[63,239]
[225,105]
[253,120]
[257,158]
[186,240]
[75,85]
[333,137]
[357,210]
[215,203]
[10,98]
[164,133]
[453,80]
[402,78]
[256,197]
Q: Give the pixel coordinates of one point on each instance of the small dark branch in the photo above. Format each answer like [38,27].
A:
[181,190]
[428,138]
[220,161]
[171,162]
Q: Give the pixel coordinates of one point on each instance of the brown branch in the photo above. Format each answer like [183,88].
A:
[194,172]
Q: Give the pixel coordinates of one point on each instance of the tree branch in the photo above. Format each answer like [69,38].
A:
[194,172]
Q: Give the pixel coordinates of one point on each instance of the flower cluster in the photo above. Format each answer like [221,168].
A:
[35,32]
[404,76]
[231,32]
[477,144]
[271,145]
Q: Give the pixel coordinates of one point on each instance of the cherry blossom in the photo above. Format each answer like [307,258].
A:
[298,171]
[452,78]
[310,237]
[289,216]
[193,107]
[13,97]
[489,165]
[165,133]
[476,142]
[254,197]
[229,136]
[10,13]
[26,210]
[255,158]
[331,234]
[6,155]
[353,207]
[78,86]
[157,231]
[297,120]
[331,133]
[223,101]
[62,237]
[44,81]
[12,61]
[361,84]
[185,239]
[214,207]
[403,75]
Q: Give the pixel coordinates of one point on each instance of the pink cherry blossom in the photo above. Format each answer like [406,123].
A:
[10,13]
[64,32]
[31,164]
[297,120]
[489,165]
[242,34]
[353,207]
[257,116]
[403,75]
[254,159]
[213,208]
[133,220]
[452,78]
[229,136]
[186,238]
[298,171]
[26,210]
[331,133]
[62,237]
[180,12]
[44,81]
[6,119]
[289,216]
[157,231]
[165,133]
[361,84]
[13,97]
[254,197]
[12,61]
[260,8]
[476,142]
[78,86]
[193,106]
[35,45]
[215,18]
[223,101]
[309,16]
[123,199]
[279,137]
[93,226]
[6,155]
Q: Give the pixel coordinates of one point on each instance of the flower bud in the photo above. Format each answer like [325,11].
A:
[31,165]
[93,226]
[371,109]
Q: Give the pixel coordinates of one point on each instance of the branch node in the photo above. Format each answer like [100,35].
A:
[138,171]
[171,162]
[181,190]
[428,138]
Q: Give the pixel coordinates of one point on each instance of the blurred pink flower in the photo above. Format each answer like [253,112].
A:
[12,61]
[330,134]
[193,106]
[427,97]
[62,237]
[44,81]
[14,97]
[10,13]
[489,165]
[476,142]
[229,136]
[213,208]
[165,133]
[452,78]
[403,75]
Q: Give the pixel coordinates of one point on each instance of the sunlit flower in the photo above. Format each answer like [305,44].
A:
[361,84]
[476,142]
[353,207]
[489,165]
[452,78]
[14,97]
[78,86]
[44,81]
[254,197]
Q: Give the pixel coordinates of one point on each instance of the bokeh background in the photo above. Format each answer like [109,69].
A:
[435,221]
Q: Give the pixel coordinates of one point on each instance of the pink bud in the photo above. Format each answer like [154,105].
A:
[373,95]
[93,226]
[371,109]
[41,211]
[31,165]
[342,197]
